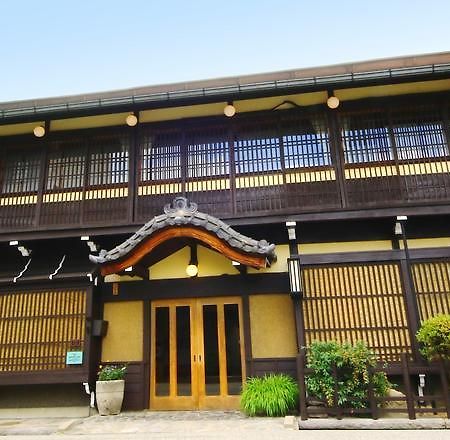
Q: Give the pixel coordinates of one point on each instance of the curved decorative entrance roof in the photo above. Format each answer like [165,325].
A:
[181,218]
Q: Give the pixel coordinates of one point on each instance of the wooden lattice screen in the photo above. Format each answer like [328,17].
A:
[38,328]
[432,285]
[395,154]
[357,302]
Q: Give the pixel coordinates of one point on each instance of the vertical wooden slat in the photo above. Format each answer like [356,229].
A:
[173,350]
[36,328]
[354,302]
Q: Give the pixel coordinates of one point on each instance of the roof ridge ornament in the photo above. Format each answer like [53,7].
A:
[180,207]
[182,212]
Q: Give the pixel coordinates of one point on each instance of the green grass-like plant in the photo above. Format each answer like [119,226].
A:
[273,395]
[434,337]
[351,363]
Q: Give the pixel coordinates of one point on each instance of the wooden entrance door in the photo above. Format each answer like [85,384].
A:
[197,353]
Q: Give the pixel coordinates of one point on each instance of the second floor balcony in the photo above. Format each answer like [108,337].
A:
[391,153]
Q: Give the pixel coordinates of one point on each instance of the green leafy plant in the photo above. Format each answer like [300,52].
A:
[272,395]
[434,336]
[351,365]
[112,372]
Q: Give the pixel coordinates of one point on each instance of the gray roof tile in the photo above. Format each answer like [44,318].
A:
[182,212]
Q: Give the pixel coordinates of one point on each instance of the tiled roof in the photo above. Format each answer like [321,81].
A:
[181,212]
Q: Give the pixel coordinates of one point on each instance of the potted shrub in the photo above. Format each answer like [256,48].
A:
[273,395]
[110,387]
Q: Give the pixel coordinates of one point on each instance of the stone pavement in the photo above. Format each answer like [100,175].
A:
[195,425]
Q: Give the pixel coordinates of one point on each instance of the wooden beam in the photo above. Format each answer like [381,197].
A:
[147,246]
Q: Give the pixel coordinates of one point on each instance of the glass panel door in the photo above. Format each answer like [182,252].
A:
[220,344]
[172,378]
[196,354]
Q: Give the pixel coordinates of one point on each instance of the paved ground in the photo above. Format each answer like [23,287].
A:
[187,425]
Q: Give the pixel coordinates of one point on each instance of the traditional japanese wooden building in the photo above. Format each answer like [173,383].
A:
[149,227]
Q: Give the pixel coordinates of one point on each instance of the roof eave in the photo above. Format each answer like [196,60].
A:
[288,82]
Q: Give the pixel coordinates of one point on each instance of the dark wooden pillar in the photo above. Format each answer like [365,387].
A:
[412,308]
[297,299]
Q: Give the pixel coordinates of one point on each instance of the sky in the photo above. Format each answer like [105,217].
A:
[63,47]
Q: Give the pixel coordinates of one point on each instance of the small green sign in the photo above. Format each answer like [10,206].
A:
[74,358]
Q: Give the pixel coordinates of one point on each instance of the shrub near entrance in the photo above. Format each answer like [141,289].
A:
[351,363]
[272,395]
[434,335]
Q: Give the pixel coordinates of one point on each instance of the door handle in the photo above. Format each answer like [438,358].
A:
[194,357]
[199,357]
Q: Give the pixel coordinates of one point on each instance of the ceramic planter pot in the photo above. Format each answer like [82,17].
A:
[109,394]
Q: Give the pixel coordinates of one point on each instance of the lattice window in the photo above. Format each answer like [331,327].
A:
[419,134]
[38,328]
[207,156]
[366,138]
[109,162]
[307,145]
[258,154]
[160,158]
[357,302]
[432,285]
[65,170]
[21,174]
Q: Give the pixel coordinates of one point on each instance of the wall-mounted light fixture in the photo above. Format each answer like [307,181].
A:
[332,101]
[39,131]
[229,110]
[291,230]
[192,267]
[295,277]
[399,225]
[293,262]
[131,120]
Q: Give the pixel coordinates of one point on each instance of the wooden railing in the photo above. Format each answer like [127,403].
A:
[436,401]
[279,163]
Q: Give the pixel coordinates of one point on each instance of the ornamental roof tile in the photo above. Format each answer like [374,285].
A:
[181,212]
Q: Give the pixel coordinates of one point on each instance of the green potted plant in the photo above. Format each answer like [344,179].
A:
[110,388]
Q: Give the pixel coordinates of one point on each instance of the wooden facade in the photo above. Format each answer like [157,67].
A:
[393,153]
[344,175]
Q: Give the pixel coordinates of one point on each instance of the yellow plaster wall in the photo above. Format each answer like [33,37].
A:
[13,129]
[272,326]
[418,243]
[216,109]
[210,263]
[248,105]
[89,122]
[167,114]
[346,246]
[124,339]
[174,266]
[282,252]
